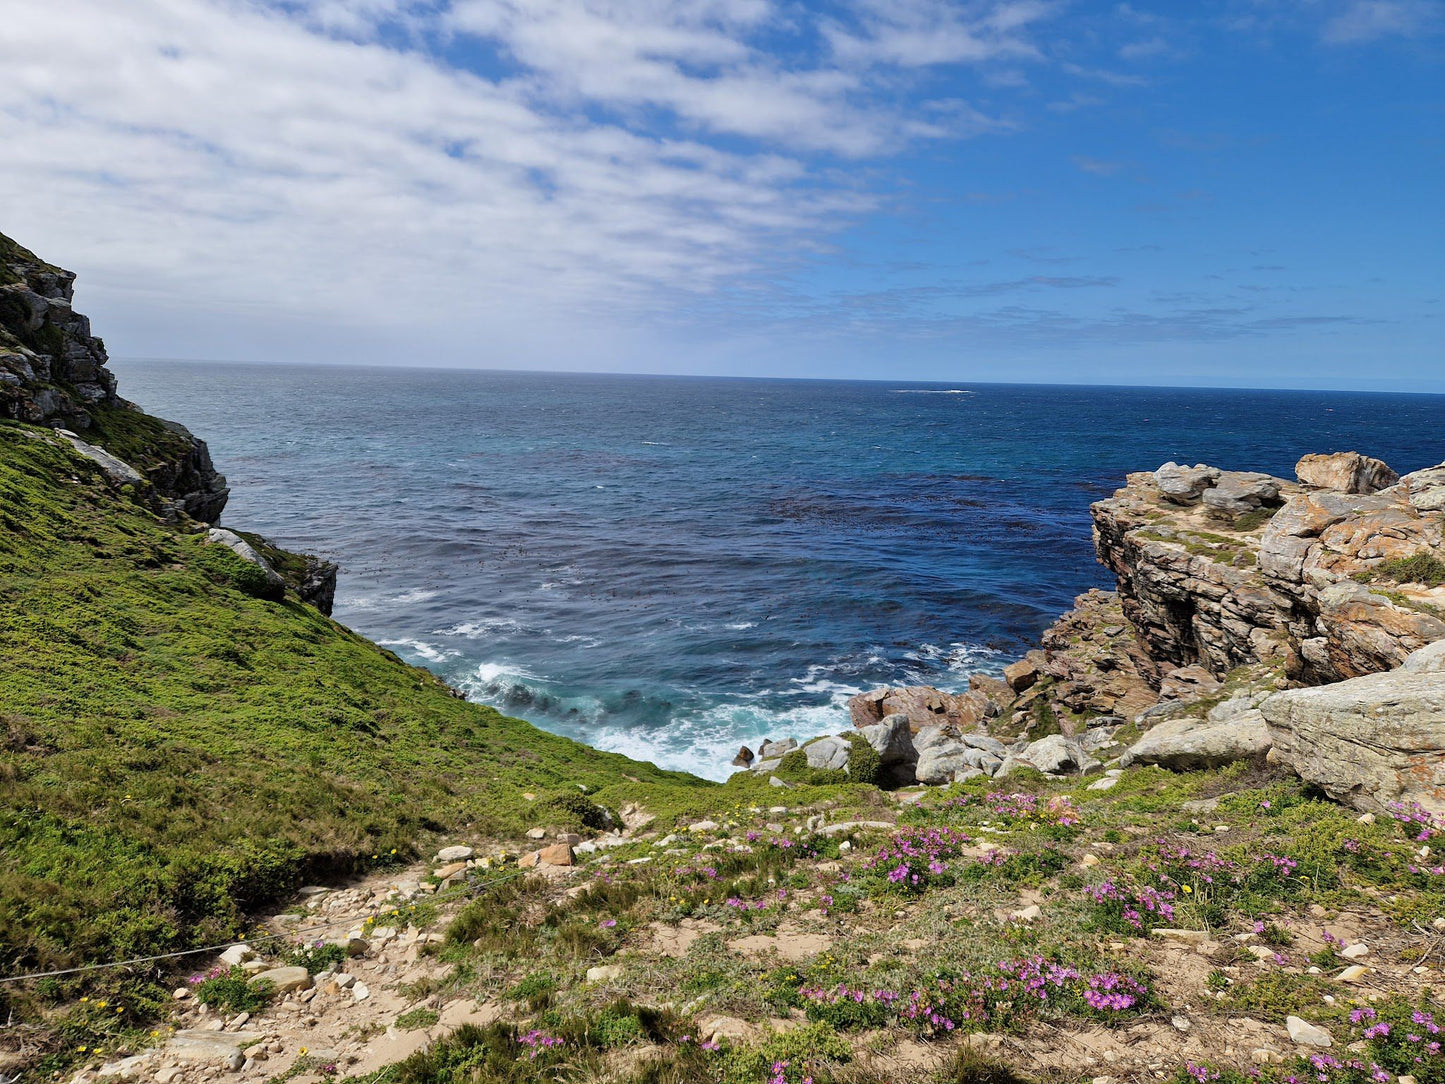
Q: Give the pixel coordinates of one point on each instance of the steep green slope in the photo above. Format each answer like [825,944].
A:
[173,750]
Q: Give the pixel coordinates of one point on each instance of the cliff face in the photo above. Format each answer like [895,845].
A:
[53,372]
[1333,576]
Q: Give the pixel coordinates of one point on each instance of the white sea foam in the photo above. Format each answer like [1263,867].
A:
[421,649]
[704,743]
[495,675]
[931,391]
[578,638]
[739,626]
[476,630]
[382,602]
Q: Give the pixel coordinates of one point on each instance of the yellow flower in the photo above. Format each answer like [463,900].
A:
[1188,889]
[119,1009]
[101,1004]
[303,1051]
[81,1049]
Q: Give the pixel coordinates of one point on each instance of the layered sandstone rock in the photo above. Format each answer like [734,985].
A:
[923,706]
[1371,741]
[1300,577]
[1346,472]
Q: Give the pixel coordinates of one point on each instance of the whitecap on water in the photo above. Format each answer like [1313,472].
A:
[381,602]
[931,391]
[421,649]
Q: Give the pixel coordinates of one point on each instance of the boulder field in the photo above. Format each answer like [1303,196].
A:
[1296,621]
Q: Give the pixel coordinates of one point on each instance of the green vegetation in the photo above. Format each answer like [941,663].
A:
[175,751]
[416,1019]
[141,440]
[315,957]
[1421,568]
[233,991]
[1251,521]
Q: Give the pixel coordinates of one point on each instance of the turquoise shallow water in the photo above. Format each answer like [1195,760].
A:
[671,567]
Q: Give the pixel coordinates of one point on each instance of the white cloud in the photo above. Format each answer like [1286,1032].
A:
[315,158]
[1370,20]
[253,177]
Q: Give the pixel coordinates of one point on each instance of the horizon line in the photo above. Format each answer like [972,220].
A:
[1363,390]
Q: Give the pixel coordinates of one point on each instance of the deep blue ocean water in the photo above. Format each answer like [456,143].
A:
[672,567]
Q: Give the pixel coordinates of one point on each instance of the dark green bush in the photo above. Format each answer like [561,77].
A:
[575,810]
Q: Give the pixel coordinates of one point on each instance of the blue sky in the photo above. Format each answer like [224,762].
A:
[1232,192]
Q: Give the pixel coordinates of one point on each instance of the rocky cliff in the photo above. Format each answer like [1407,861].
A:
[1255,617]
[1332,576]
[53,372]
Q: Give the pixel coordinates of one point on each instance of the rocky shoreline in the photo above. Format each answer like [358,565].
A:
[1255,618]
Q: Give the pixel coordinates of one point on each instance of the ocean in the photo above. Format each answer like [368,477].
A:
[672,567]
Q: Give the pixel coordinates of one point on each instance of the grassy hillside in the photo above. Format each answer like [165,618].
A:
[174,750]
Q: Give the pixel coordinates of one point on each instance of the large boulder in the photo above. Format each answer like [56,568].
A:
[892,740]
[1236,492]
[1053,754]
[1372,740]
[944,752]
[1346,472]
[830,754]
[1425,489]
[1184,485]
[1190,743]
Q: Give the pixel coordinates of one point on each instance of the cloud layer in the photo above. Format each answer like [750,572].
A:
[528,172]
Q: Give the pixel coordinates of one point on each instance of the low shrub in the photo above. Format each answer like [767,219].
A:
[232,990]
[317,956]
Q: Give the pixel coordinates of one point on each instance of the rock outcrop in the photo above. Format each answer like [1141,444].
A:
[1372,740]
[1345,472]
[1232,586]
[922,706]
[53,372]
[1268,570]
[219,536]
[1231,731]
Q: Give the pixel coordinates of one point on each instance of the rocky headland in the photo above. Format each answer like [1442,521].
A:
[243,843]
[1299,621]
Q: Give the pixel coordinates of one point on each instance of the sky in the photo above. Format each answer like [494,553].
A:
[1209,193]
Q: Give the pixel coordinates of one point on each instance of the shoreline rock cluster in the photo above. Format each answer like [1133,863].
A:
[1299,622]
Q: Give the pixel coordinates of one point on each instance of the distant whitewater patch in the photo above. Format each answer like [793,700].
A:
[932,391]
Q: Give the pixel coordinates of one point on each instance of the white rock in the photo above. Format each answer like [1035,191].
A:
[286,978]
[237,954]
[360,991]
[1304,1033]
[604,973]
[454,854]
[1357,951]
